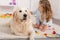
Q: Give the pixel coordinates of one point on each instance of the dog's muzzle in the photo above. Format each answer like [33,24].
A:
[24,16]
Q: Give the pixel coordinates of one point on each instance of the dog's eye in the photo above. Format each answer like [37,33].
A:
[20,11]
[25,10]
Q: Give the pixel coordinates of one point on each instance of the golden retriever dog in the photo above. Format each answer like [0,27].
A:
[21,23]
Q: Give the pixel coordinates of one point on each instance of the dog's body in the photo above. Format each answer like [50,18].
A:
[23,28]
[21,23]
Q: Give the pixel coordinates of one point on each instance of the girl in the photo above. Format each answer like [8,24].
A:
[43,15]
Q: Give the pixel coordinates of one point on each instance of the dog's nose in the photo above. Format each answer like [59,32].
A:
[25,15]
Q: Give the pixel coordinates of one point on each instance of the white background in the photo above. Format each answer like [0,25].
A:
[33,5]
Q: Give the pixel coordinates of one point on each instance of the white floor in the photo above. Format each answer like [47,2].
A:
[5,32]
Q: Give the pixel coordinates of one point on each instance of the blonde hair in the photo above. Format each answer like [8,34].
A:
[46,10]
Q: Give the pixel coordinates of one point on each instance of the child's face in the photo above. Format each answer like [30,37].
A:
[40,7]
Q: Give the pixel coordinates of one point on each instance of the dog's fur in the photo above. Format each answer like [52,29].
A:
[21,26]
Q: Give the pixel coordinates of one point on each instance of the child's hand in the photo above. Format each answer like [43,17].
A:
[43,28]
[36,25]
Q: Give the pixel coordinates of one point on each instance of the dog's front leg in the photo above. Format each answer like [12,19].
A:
[32,34]
[15,31]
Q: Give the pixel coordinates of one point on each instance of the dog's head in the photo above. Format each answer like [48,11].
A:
[22,14]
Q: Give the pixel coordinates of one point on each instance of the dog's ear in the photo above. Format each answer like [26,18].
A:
[14,14]
[30,14]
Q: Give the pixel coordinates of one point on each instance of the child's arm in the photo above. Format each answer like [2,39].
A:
[49,23]
[36,20]
[44,26]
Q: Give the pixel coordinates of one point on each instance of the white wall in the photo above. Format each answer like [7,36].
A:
[56,8]
[4,2]
[23,3]
[34,4]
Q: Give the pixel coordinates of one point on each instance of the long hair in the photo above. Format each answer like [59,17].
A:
[46,12]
